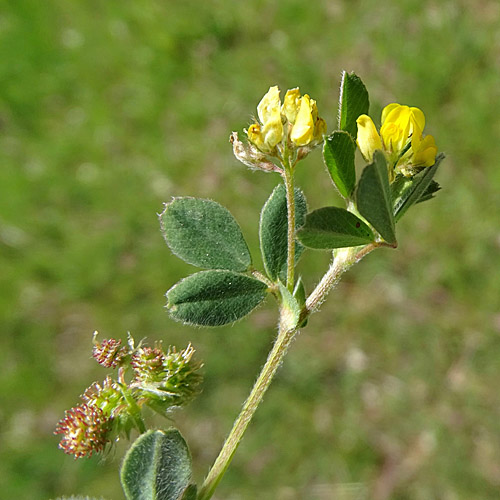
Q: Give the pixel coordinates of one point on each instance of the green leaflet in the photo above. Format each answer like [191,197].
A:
[273,231]
[205,234]
[354,101]
[214,298]
[156,467]
[338,153]
[333,227]
[421,187]
[374,199]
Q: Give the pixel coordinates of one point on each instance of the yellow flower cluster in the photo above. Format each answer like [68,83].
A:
[401,138]
[296,121]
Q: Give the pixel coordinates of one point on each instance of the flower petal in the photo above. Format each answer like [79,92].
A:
[269,105]
[291,104]
[368,139]
[388,109]
[303,128]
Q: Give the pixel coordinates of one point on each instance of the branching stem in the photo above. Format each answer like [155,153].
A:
[344,259]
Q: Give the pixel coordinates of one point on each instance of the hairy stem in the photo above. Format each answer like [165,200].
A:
[290,205]
[281,344]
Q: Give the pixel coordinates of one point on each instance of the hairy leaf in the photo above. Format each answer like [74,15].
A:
[156,467]
[214,298]
[273,231]
[354,101]
[419,188]
[374,199]
[205,234]
[333,227]
[338,153]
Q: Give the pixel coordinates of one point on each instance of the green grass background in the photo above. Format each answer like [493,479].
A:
[110,108]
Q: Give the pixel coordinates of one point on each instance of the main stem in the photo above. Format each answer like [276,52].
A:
[222,462]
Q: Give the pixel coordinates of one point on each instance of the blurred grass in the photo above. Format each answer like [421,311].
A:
[107,109]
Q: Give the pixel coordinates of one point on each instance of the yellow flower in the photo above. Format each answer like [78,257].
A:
[267,136]
[401,138]
[296,121]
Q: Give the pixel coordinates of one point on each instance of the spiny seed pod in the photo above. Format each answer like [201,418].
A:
[182,377]
[147,363]
[174,383]
[108,353]
[85,430]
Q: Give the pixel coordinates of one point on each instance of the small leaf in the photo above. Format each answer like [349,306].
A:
[354,101]
[338,153]
[290,309]
[273,231]
[299,294]
[214,298]
[374,200]
[413,190]
[333,227]
[430,192]
[205,234]
[156,467]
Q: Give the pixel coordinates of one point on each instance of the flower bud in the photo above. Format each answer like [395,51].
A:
[368,139]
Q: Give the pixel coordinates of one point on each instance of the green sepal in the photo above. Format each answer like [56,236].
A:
[290,308]
[214,298]
[205,234]
[374,199]
[338,153]
[334,227]
[421,187]
[156,467]
[354,101]
[273,231]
